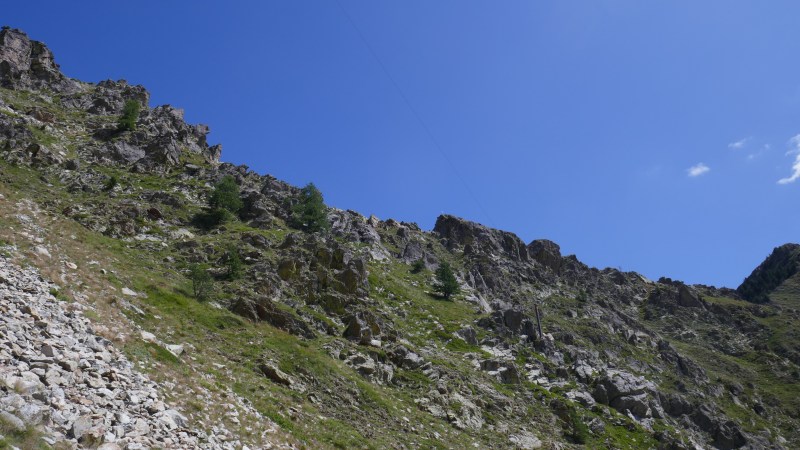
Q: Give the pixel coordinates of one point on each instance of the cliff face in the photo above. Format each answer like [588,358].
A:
[27,64]
[336,336]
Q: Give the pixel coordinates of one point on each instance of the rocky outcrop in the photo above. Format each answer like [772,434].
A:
[28,64]
[322,271]
[672,295]
[161,136]
[546,253]
[474,238]
[364,328]
[265,310]
[509,321]
[626,392]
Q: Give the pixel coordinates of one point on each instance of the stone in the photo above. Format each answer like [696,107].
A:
[474,237]
[178,418]
[81,426]
[582,397]
[175,349]
[547,253]
[271,371]
[149,337]
[468,335]
[505,371]
[29,64]
[616,383]
[362,326]
[405,358]
[129,292]
[47,350]
[688,298]
[264,309]
[636,404]
[525,440]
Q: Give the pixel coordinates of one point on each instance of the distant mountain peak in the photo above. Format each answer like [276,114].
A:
[781,265]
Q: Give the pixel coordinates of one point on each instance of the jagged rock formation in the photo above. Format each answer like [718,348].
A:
[336,335]
[27,64]
[158,142]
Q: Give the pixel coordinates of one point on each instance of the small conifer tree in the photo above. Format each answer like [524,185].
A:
[233,263]
[111,183]
[446,283]
[202,284]
[310,213]
[130,114]
[223,203]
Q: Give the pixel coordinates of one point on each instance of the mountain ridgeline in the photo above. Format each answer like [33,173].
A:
[780,267]
[331,332]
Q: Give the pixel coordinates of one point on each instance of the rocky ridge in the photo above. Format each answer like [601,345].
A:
[342,332]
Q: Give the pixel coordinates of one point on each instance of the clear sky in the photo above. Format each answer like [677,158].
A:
[649,136]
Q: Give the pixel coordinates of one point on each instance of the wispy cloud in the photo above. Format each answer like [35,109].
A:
[740,144]
[697,170]
[795,172]
[761,151]
[794,149]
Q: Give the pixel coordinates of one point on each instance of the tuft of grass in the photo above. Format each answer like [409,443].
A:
[59,295]
[145,351]
[42,137]
[30,438]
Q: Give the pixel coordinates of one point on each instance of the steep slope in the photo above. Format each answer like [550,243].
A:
[89,388]
[776,275]
[335,336]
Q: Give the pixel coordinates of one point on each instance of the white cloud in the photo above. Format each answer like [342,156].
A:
[794,149]
[753,156]
[795,172]
[740,144]
[794,145]
[697,170]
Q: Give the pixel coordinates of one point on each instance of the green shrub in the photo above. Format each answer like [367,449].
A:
[580,432]
[418,266]
[202,283]
[310,213]
[130,115]
[233,263]
[111,183]
[211,218]
[446,283]
[226,196]
[223,204]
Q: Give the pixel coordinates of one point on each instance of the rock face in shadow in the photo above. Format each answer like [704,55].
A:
[780,265]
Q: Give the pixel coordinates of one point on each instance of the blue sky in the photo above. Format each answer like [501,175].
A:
[649,136]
